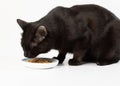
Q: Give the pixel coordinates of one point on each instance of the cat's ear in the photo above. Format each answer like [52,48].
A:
[21,23]
[41,33]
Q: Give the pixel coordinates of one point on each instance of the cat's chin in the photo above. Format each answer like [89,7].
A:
[32,56]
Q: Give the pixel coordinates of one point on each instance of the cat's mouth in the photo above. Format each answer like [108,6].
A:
[30,55]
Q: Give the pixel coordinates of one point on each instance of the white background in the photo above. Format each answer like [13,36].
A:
[13,73]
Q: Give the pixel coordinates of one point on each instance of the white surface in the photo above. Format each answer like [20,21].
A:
[13,73]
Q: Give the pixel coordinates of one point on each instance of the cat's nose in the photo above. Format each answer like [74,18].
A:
[27,54]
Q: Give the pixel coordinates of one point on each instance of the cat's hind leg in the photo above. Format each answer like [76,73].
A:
[107,60]
[109,44]
[107,55]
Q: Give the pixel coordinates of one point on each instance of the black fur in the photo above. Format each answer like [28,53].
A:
[90,32]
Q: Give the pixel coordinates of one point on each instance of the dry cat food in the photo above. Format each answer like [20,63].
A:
[40,60]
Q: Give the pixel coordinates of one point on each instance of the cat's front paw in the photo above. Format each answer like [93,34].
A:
[60,61]
[55,58]
[75,62]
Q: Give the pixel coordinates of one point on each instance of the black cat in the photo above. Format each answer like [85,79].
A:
[90,32]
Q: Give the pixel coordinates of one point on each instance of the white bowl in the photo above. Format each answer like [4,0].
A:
[40,65]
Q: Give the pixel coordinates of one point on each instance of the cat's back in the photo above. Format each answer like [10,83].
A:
[93,9]
[90,11]
[89,8]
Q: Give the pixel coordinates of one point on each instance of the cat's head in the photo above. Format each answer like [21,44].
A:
[34,39]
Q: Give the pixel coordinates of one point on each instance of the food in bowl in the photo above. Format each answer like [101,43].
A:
[40,63]
[40,60]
